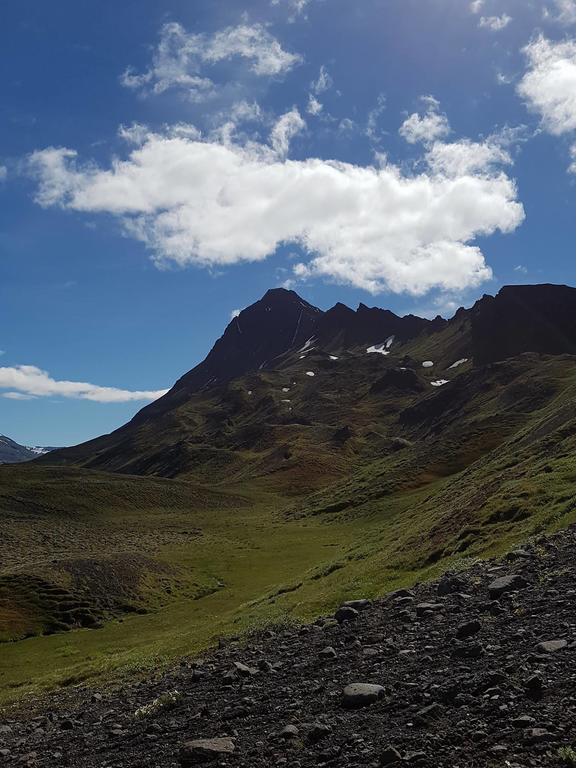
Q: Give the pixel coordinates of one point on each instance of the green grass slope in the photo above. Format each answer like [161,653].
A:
[357,490]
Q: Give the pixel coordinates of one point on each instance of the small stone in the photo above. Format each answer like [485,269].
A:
[317,732]
[358,605]
[431,712]
[450,584]
[468,629]
[506,584]
[328,653]
[358,695]
[534,687]
[422,609]
[390,756]
[518,554]
[401,593]
[524,721]
[345,613]
[551,646]
[539,736]
[470,651]
[205,750]
[243,670]
[289,732]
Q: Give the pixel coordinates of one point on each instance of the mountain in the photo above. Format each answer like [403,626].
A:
[313,457]
[286,377]
[13,453]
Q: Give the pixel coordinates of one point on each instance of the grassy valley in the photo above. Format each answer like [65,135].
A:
[335,472]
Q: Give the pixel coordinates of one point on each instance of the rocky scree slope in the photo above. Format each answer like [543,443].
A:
[474,670]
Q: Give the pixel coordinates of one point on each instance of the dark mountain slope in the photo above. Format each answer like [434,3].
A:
[524,318]
[286,377]
[13,453]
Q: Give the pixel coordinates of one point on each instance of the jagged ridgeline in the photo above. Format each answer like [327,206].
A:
[312,457]
[299,396]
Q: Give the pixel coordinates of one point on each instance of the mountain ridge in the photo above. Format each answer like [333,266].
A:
[218,413]
[12,452]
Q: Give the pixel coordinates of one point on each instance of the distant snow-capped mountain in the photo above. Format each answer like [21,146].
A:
[12,452]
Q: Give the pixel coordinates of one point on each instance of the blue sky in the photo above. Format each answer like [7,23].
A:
[163,163]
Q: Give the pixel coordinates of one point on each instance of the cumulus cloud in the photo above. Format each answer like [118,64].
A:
[427,127]
[495,23]
[27,382]
[549,86]
[181,57]
[476,6]
[212,203]
[464,157]
[3,173]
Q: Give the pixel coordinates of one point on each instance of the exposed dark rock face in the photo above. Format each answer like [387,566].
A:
[441,680]
[524,318]
[282,332]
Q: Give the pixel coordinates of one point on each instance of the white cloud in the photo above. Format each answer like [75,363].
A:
[426,128]
[3,173]
[235,313]
[287,126]
[521,268]
[346,127]
[28,381]
[208,203]
[476,6]
[17,396]
[181,57]
[464,157]
[549,85]
[322,83]
[318,86]
[373,118]
[314,106]
[564,12]
[495,23]
[295,7]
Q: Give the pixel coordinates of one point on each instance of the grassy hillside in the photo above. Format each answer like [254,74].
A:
[111,573]
[292,493]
